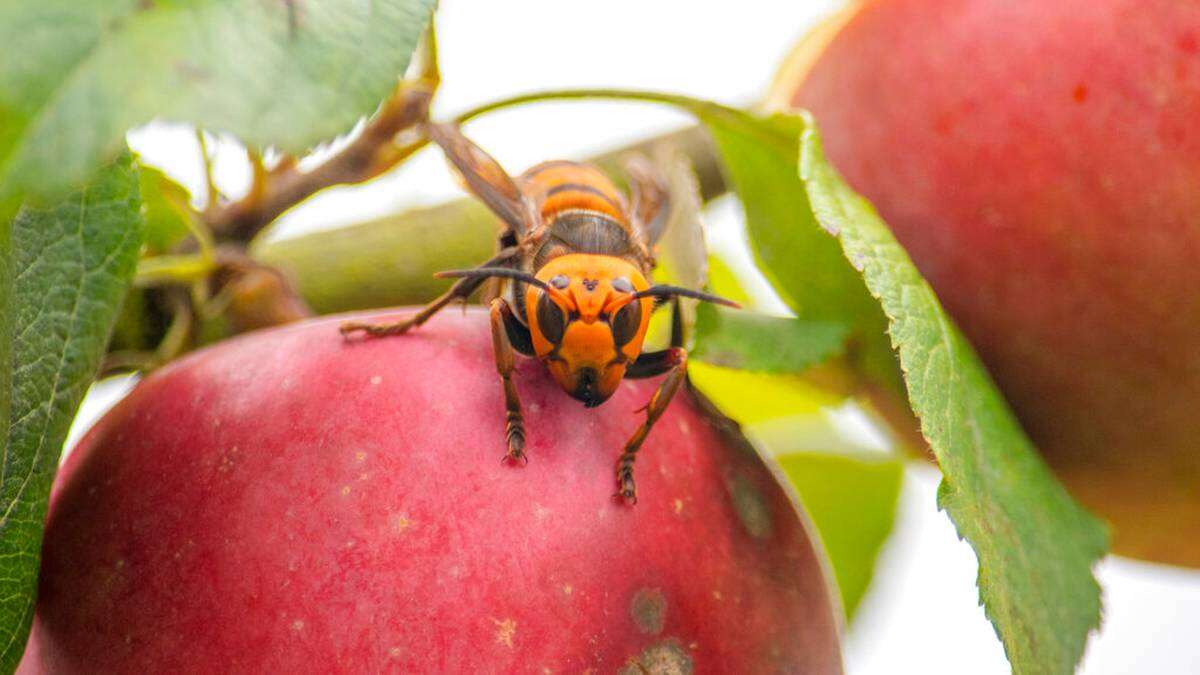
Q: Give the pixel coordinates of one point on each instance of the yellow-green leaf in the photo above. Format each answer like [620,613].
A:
[852,501]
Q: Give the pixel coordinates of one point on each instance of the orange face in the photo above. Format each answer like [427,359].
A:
[589,327]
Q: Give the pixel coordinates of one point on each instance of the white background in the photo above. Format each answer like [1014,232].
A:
[921,615]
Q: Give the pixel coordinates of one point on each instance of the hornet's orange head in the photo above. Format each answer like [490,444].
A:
[589,323]
[587,316]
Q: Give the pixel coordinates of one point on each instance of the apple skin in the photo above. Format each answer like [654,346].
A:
[1040,161]
[289,501]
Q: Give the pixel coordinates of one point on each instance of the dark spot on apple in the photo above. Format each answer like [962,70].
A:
[649,610]
[1080,93]
[750,507]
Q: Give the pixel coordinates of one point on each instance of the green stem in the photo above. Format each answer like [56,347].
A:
[174,268]
[578,94]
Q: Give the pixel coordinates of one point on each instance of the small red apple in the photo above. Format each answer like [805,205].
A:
[288,501]
[1041,163]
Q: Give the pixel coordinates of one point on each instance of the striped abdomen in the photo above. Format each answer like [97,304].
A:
[562,186]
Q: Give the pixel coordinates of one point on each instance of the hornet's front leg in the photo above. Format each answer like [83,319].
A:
[461,290]
[673,362]
[505,331]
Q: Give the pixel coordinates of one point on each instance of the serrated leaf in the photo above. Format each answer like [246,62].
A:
[78,73]
[71,264]
[1036,547]
[751,341]
[852,501]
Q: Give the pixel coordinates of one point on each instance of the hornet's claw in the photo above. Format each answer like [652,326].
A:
[349,328]
[627,489]
[512,457]
[516,448]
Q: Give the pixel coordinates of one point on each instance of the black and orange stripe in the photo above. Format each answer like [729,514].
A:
[561,185]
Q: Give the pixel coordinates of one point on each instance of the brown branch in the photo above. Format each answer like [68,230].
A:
[369,154]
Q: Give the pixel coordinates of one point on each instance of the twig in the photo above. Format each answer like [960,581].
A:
[375,150]
[280,188]
[213,195]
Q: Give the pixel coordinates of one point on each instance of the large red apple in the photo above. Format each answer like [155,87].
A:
[291,502]
[1041,163]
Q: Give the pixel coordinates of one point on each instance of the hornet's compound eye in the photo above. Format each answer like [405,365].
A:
[550,319]
[560,281]
[622,285]
[626,323]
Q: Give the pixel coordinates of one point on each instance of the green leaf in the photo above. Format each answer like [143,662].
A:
[166,208]
[77,74]
[747,340]
[723,282]
[1035,545]
[7,315]
[750,341]
[71,264]
[852,501]
[803,265]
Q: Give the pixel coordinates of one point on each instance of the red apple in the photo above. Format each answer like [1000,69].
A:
[288,501]
[1041,163]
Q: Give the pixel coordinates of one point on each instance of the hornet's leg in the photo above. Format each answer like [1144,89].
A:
[673,362]
[504,325]
[461,290]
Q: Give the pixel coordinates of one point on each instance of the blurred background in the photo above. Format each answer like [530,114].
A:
[921,613]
